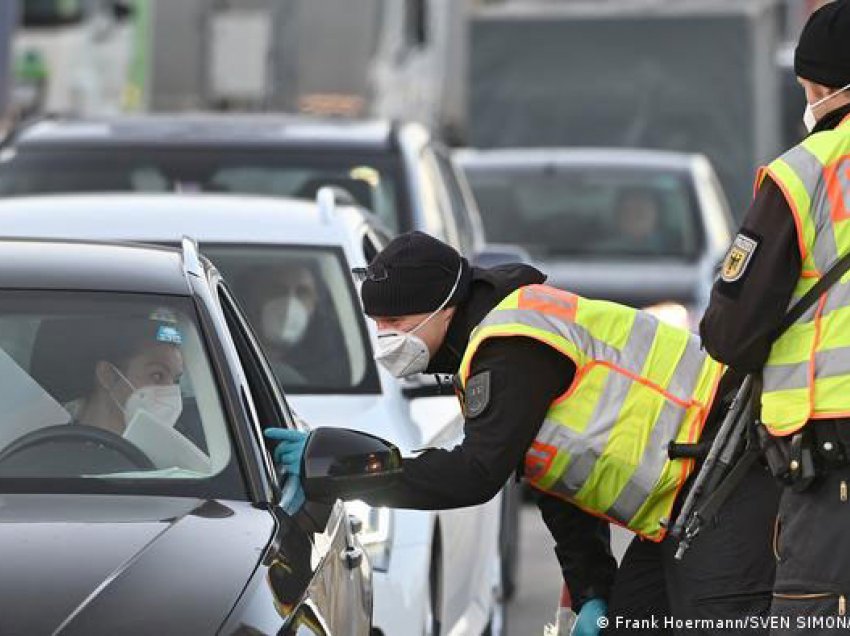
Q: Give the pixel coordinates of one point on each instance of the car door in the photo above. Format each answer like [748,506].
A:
[338,590]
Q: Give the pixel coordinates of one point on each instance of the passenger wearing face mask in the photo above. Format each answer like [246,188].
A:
[797,228]
[577,396]
[284,305]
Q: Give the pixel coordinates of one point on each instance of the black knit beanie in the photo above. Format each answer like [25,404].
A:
[413,275]
[823,53]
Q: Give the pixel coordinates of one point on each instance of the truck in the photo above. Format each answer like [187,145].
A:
[691,76]
[389,59]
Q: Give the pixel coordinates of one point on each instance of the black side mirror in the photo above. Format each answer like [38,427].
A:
[495,254]
[344,464]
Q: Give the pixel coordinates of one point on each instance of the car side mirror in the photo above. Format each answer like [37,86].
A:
[344,464]
[494,254]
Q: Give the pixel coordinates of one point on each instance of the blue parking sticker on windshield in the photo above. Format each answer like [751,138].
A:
[169,335]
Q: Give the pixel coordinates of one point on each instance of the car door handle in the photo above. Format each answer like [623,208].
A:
[352,557]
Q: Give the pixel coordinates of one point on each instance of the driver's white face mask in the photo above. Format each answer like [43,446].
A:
[163,404]
[403,353]
[809,118]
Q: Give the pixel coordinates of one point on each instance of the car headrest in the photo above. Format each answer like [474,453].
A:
[63,357]
[360,192]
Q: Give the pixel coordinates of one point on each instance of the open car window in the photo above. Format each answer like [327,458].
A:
[108,392]
[302,306]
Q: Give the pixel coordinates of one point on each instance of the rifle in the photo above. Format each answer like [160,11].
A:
[714,476]
[715,480]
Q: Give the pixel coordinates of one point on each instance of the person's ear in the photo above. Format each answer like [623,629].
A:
[104,375]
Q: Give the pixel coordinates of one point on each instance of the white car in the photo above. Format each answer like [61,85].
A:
[434,572]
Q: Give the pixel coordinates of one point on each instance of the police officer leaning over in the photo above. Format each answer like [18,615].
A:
[797,227]
[583,396]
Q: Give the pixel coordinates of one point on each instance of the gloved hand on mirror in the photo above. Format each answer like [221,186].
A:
[290,449]
[287,457]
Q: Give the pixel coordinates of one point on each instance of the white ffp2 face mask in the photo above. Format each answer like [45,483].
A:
[403,353]
[161,403]
[809,118]
[285,320]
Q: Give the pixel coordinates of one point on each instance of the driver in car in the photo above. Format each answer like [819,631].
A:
[137,372]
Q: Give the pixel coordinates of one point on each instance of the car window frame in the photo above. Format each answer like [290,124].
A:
[432,178]
[458,202]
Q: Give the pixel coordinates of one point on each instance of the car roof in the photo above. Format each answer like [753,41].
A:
[166,218]
[533,158]
[91,266]
[198,129]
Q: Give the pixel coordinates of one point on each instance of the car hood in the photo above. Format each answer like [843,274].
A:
[379,415]
[85,564]
[633,282]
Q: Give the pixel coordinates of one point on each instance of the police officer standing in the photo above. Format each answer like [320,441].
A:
[797,228]
[583,396]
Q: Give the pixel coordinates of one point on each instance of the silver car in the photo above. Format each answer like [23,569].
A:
[641,227]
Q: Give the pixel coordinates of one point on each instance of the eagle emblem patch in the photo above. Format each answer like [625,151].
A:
[738,258]
[477,395]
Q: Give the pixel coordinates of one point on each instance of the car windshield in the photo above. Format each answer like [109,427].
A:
[607,213]
[106,392]
[372,178]
[302,305]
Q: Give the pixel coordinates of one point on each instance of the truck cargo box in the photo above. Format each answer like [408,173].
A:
[694,75]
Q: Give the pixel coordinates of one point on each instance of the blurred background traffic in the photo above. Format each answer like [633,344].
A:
[612,143]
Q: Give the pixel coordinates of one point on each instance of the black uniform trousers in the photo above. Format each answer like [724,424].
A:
[812,546]
[727,573]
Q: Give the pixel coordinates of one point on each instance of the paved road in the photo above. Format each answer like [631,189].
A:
[539,576]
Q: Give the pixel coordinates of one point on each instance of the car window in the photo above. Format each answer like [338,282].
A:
[302,305]
[460,213]
[601,212]
[372,178]
[111,388]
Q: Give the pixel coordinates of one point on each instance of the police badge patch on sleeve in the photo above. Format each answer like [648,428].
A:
[738,258]
[477,395]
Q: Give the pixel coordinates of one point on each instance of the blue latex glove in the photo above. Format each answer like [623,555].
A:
[591,618]
[287,456]
[290,449]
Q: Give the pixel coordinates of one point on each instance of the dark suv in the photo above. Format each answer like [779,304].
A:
[397,170]
[138,495]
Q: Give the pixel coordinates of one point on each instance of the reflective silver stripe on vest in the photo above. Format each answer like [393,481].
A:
[805,165]
[648,472]
[810,171]
[665,430]
[595,436]
[577,334]
[611,399]
[828,364]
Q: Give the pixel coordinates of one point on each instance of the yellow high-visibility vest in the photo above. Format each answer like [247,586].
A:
[639,384]
[807,374]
